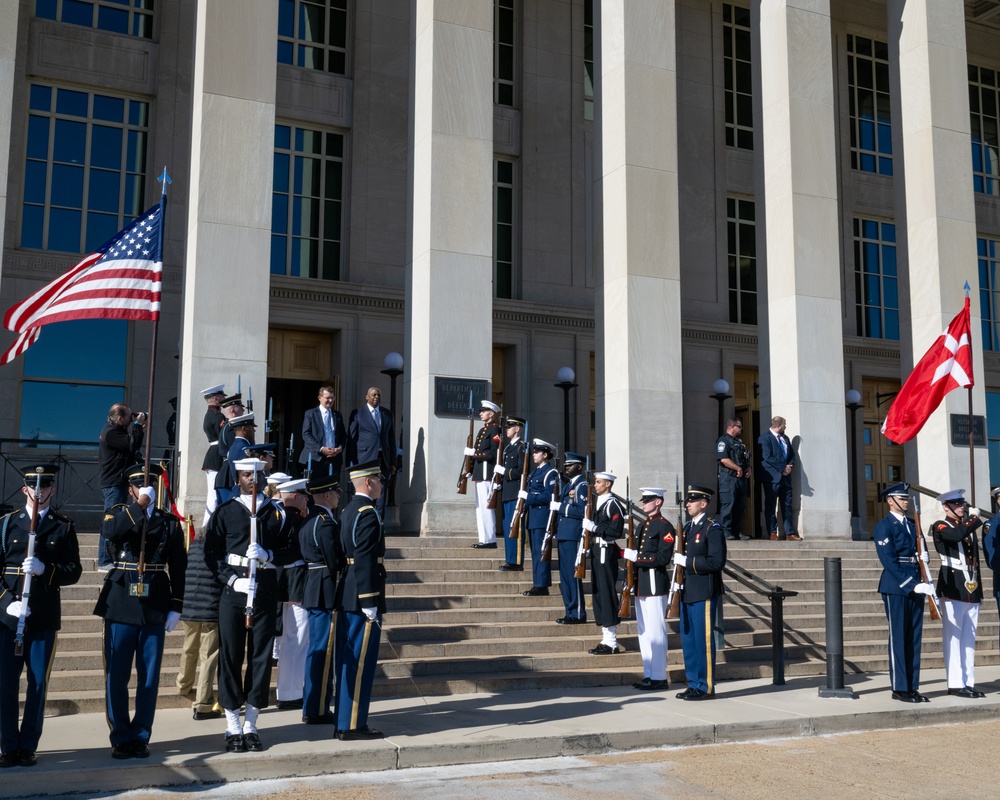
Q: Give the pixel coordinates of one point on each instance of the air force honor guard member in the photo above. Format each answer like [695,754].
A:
[902,593]
[360,603]
[605,528]
[139,608]
[542,487]
[55,563]
[572,505]
[703,559]
[512,462]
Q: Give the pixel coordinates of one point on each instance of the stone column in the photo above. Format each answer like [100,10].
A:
[449,283]
[805,318]
[226,277]
[934,187]
[638,299]
[8,58]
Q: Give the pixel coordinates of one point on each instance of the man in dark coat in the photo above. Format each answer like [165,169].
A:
[372,437]
[212,425]
[200,654]
[121,440]
[323,436]
[605,529]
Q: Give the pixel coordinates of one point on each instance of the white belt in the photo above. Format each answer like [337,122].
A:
[907,560]
[954,563]
[234,560]
[212,444]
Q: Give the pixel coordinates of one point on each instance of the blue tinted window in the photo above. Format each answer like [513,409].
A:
[111,109]
[94,349]
[64,230]
[78,12]
[71,142]
[42,402]
[106,147]
[35,173]
[46,9]
[112,19]
[73,104]
[38,137]
[67,186]
[32,223]
[40,98]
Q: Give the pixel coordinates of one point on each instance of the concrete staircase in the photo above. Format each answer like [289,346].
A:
[455,624]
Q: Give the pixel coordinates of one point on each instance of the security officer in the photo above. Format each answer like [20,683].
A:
[319,542]
[512,464]
[605,529]
[54,563]
[141,601]
[540,493]
[484,458]
[360,604]
[703,559]
[569,539]
[212,425]
[902,592]
[652,557]
[960,588]
[734,472]
[243,635]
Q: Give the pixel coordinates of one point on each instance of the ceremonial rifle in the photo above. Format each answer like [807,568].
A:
[515,520]
[625,609]
[463,476]
[552,525]
[497,479]
[252,566]
[588,514]
[26,588]
[677,579]
[925,571]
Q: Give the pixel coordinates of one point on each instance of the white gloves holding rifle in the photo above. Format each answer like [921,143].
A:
[14,609]
[925,557]
[589,525]
[32,566]
[499,470]
[469,451]
[257,553]
[924,588]
[680,559]
[371,613]
[241,585]
[630,555]
[554,505]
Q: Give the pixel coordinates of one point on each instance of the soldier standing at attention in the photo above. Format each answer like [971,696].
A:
[512,463]
[734,472]
[543,482]
[573,503]
[212,425]
[484,458]
[605,529]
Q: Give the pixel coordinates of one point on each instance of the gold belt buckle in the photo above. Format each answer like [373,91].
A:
[139,589]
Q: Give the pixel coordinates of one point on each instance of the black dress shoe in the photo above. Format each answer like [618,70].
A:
[235,743]
[536,591]
[322,719]
[284,705]
[975,692]
[360,734]
[121,751]
[571,620]
[8,760]
[695,694]
[603,650]
[26,758]
[965,691]
[649,685]
[685,694]
[253,743]
[920,698]
[140,750]
[202,715]
[511,568]
[906,697]
[484,546]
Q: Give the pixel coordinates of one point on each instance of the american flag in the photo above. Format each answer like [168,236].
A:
[120,280]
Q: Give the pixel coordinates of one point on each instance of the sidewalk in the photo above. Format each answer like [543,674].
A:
[459,729]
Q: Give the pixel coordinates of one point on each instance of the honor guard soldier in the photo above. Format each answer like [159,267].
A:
[902,593]
[484,458]
[248,608]
[212,425]
[652,557]
[991,547]
[243,430]
[319,541]
[542,487]
[734,471]
[605,529]
[511,464]
[960,588]
[292,620]
[703,559]
[42,543]
[573,504]
[232,407]
[141,601]
[360,604]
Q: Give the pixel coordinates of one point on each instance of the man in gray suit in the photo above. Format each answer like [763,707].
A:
[371,437]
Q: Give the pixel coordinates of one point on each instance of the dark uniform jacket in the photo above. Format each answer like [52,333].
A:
[486,446]
[226,437]
[956,542]
[574,503]
[291,576]
[362,584]
[513,464]
[319,541]
[896,546]
[212,425]
[119,449]
[543,480]
[705,548]
[732,448]
[655,554]
[201,590]
[991,550]
[165,566]
[56,547]
[610,521]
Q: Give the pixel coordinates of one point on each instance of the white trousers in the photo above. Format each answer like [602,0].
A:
[210,497]
[486,521]
[959,622]
[651,618]
[292,655]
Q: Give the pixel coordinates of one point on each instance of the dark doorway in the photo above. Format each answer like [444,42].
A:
[292,398]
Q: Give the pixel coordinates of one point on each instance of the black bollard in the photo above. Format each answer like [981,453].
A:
[834,631]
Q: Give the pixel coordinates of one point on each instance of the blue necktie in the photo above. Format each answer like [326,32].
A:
[328,428]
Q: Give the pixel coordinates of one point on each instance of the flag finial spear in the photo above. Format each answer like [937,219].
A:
[164,179]
[966,287]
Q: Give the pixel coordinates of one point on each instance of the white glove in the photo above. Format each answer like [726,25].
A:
[975,512]
[498,470]
[371,613]
[148,491]
[257,553]
[14,609]
[173,618]
[675,587]
[589,526]
[924,588]
[522,495]
[32,565]
[629,554]
[680,559]
[554,505]
[925,557]
[242,585]
[469,451]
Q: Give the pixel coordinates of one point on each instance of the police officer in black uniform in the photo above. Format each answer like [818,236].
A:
[55,563]
[734,473]
[569,535]
[140,603]
[512,464]
[605,529]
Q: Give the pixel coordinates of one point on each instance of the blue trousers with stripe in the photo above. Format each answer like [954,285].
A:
[37,653]
[570,586]
[541,571]
[356,658]
[123,645]
[318,689]
[906,625]
[513,548]
[698,644]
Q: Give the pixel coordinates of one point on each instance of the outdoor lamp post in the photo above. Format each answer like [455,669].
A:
[721,389]
[565,376]
[393,368]
[853,401]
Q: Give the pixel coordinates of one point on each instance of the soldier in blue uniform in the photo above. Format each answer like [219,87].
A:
[319,541]
[243,431]
[569,537]
[360,604]
[605,529]
[232,407]
[539,495]
[652,557]
[139,607]
[902,593]
[512,464]
[734,471]
[55,563]
[703,559]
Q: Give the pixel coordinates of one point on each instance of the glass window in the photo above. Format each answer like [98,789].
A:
[988,251]
[128,17]
[588,59]
[876,284]
[503,53]
[993,434]
[312,34]
[307,203]
[868,92]
[984,108]
[504,240]
[85,168]
[742,260]
[738,69]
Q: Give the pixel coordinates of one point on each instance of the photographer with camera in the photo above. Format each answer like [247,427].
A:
[121,441]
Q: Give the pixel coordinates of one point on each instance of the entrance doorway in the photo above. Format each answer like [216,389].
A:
[883,460]
[746,402]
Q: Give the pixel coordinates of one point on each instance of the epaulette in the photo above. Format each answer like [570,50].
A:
[56,515]
[10,514]
[365,508]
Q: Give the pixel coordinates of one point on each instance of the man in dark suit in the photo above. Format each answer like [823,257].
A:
[323,436]
[778,458]
[370,437]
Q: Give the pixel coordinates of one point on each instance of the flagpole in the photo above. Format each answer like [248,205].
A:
[972,452]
